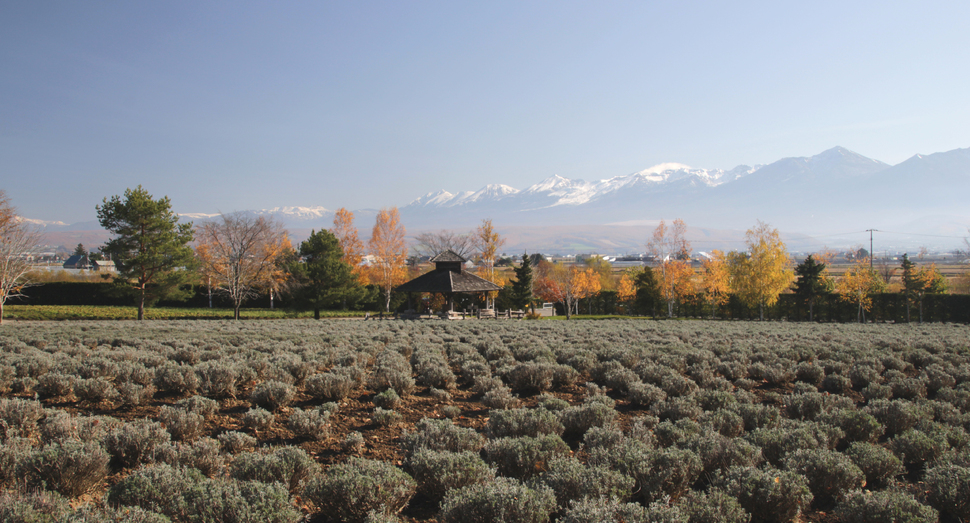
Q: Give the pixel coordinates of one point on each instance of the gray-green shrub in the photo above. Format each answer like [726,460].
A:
[884,506]
[443,434]
[389,399]
[287,465]
[571,480]
[503,500]
[524,457]
[768,494]
[523,422]
[877,463]
[35,506]
[313,424]
[272,395]
[948,485]
[69,467]
[350,490]
[330,386]
[830,474]
[235,442]
[136,442]
[438,471]
[183,425]
[713,506]
[258,419]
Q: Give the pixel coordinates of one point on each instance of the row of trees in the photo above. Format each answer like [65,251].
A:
[244,255]
[756,277]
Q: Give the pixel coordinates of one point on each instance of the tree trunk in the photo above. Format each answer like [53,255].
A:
[235,312]
[907,309]
[141,304]
[761,312]
[670,308]
[316,313]
[921,309]
[811,315]
[1,312]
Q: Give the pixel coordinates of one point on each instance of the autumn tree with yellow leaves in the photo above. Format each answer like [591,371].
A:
[858,284]
[350,244]
[626,290]
[390,253]
[243,255]
[586,283]
[759,275]
[487,242]
[715,280]
[672,251]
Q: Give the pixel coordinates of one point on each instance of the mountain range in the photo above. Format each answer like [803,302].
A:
[834,192]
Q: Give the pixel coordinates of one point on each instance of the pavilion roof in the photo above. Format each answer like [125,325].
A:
[448,282]
[448,256]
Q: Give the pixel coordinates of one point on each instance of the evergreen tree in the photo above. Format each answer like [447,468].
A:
[149,244]
[810,283]
[648,291]
[911,282]
[80,250]
[321,278]
[522,287]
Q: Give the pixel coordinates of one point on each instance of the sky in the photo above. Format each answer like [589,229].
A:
[228,106]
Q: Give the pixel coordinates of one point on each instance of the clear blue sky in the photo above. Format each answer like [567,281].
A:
[229,106]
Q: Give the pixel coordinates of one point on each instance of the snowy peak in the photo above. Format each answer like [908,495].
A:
[40,223]
[554,184]
[296,213]
[494,191]
[433,199]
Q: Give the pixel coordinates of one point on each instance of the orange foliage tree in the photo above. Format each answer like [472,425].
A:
[672,251]
[353,248]
[555,283]
[587,284]
[626,290]
[390,253]
[242,255]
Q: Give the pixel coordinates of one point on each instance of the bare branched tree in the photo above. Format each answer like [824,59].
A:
[434,243]
[18,243]
[242,255]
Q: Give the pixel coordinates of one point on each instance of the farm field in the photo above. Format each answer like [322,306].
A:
[531,421]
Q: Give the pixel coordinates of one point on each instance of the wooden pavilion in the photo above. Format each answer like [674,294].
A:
[448,278]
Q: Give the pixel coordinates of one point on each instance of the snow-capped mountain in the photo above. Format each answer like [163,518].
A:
[832,189]
[289,214]
[832,192]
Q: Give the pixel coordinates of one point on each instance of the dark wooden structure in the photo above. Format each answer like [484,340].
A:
[448,278]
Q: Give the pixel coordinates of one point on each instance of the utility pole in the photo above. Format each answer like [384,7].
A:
[870,231]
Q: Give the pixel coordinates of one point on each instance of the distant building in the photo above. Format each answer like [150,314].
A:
[77,261]
[104,266]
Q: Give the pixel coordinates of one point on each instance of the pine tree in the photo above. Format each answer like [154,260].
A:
[648,291]
[911,283]
[149,243]
[323,278]
[810,283]
[522,287]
